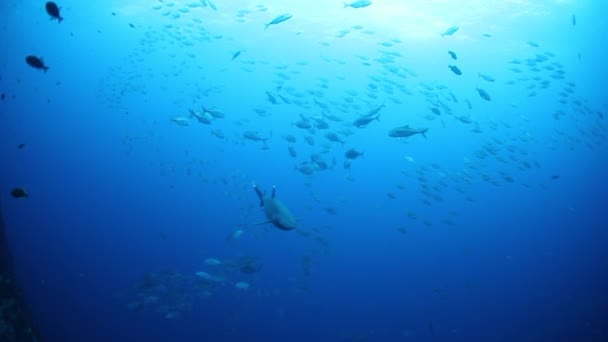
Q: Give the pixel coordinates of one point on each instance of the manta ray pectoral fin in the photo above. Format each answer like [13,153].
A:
[259,193]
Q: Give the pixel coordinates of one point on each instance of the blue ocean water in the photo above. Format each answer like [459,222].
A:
[141,223]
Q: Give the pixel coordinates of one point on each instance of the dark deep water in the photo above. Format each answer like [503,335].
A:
[141,222]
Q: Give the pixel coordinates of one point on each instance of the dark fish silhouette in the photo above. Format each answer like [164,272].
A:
[484,94]
[36,62]
[455,69]
[53,10]
[19,193]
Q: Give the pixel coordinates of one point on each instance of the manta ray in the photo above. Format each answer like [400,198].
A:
[276,212]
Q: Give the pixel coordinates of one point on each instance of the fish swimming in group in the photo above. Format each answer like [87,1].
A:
[375,110]
[236,54]
[281,18]
[181,121]
[218,134]
[486,77]
[36,62]
[53,10]
[254,136]
[365,120]
[483,94]
[406,131]
[215,113]
[453,55]
[276,212]
[450,31]
[331,136]
[271,98]
[290,138]
[201,117]
[213,261]
[455,69]
[353,154]
[358,4]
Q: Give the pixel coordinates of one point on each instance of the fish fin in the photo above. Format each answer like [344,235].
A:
[424,133]
[265,27]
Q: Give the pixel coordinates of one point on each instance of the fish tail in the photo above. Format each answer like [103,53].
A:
[345,5]
[266,26]
[424,133]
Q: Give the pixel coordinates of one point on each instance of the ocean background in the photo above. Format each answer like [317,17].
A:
[490,228]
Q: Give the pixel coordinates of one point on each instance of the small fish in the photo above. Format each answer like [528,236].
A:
[254,136]
[363,121]
[334,137]
[3,96]
[19,193]
[375,110]
[453,55]
[236,54]
[215,113]
[242,285]
[487,35]
[533,44]
[285,100]
[36,62]
[53,10]
[455,69]
[436,111]
[290,138]
[181,121]
[201,117]
[450,31]
[281,18]
[212,262]
[212,5]
[218,134]
[292,151]
[309,139]
[486,77]
[573,20]
[358,4]
[483,94]
[271,98]
[131,25]
[235,235]
[353,154]
[406,131]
